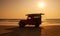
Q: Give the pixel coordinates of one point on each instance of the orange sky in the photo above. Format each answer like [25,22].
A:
[19,8]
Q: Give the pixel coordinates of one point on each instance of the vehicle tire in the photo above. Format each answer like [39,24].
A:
[36,25]
[21,24]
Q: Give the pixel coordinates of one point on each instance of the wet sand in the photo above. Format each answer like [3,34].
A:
[12,29]
[30,31]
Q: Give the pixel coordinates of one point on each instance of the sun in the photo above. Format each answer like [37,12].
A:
[41,4]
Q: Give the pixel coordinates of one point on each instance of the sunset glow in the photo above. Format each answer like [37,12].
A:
[19,8]
[41,4]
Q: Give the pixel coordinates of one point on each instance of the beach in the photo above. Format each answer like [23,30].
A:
[44,30]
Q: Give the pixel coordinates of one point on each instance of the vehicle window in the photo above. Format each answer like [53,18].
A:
[29,17]
[36,17]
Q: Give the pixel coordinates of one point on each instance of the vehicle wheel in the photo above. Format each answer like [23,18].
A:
[21,24]
[36,25]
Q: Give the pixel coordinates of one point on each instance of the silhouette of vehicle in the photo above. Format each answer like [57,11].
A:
[32,19]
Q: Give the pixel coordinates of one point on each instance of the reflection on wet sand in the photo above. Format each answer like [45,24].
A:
[30,31]
[27,31]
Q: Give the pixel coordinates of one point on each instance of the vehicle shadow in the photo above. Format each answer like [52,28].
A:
[26,31]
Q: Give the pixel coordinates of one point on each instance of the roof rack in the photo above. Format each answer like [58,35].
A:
[30,15]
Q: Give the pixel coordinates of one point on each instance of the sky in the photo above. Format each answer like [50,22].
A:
[17,9]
